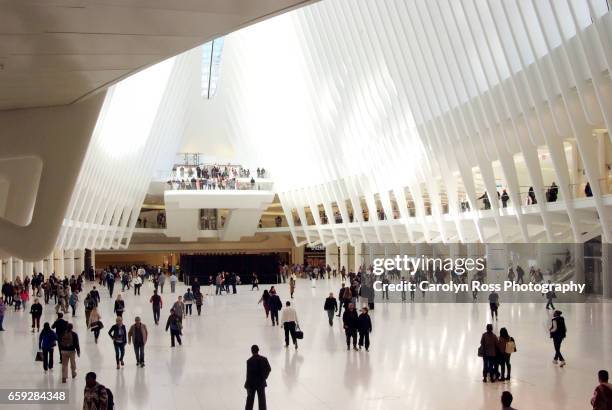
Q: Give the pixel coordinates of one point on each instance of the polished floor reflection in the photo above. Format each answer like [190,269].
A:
[423,356]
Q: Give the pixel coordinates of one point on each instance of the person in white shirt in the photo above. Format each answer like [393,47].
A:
[137,285]
[289,322]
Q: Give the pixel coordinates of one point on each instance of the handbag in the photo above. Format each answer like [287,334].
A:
[510,347]
[480,351]
[299,334]
[39,356]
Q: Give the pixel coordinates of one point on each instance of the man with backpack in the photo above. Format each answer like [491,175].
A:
[69,349]
[96,396]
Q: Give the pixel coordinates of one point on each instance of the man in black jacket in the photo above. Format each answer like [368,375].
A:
[350,321]
[275,306]
[258,369]
[364,325]
[330,306]
[60,326]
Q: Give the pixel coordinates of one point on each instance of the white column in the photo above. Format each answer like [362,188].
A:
[18,269]
[8,275]
[28,269]
[602,138]
[49,264]
[79,260]
[606,270]
[58,263]
[93,258]
[344,256]
[357,256]
[69,262]
[2,262]
[331,256]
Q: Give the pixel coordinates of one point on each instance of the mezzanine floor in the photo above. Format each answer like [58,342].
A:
[423,356]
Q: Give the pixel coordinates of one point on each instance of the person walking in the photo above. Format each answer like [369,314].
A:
[488,351]
[199,300]
[558,331]
[95,395]
[258,370]
[188,299]
[95,323]
[602,395]
[162,281]
[290,322]
[179,308]
[173,280]
[137,285]
[119,307]
[505,347]
[46,343]
[275,306]
[110,283]
[2,312]
[350,324]
[69,349]
[291,286]
[364,327]
[254,281]
[118,334]
[550,295]
[157,303]
[174,324]
[265,299]
[493,304]
[89,303]
[331,307]
[138,334]
[36,311]
[72,301]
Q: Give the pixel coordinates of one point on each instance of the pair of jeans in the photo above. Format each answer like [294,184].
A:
[289,329]
[488,367]
[274,314]
[119,351]
[188,310]
[493,307]
[504,364]
[35,322]
[351,333]
[156,312]
[137,289]
[261,398]
[139,352]
[364,337]
[175,334]
[47,358]
[330,317]
[557,344]
[199,308]
[172,287]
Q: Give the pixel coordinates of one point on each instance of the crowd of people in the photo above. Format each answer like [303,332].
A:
[213,177]
[355,300]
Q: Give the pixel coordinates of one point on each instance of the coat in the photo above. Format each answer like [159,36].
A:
[258,369]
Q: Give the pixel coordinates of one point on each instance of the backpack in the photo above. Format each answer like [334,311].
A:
[110,401]
[67,339]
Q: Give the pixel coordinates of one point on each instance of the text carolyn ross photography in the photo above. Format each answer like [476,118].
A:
[411,264]
[506,286]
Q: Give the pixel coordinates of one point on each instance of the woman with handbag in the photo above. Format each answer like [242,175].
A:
[46,344]
[505,347]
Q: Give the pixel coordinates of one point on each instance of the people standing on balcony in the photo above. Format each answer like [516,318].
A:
[531,197]
[552,193]
[587,190]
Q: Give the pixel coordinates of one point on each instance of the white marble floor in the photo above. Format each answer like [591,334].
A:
[423,356]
